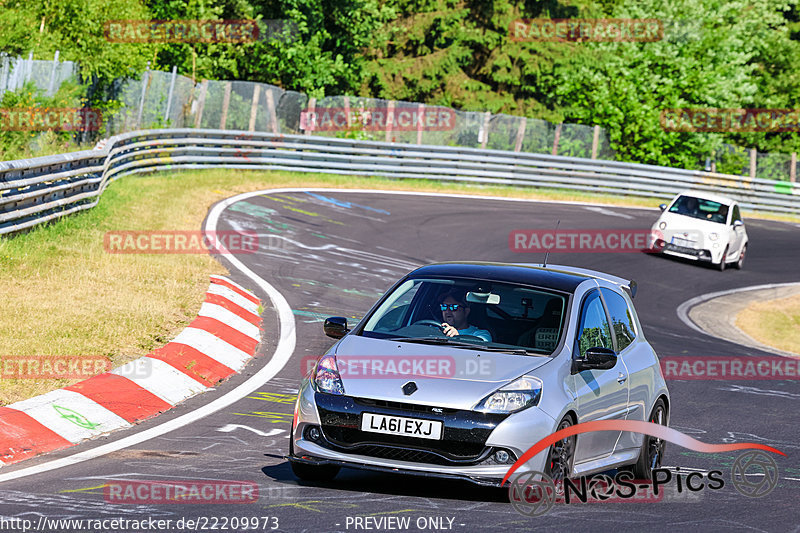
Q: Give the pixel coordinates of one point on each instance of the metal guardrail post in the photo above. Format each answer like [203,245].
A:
[145,77]
[170,93]
[51,87]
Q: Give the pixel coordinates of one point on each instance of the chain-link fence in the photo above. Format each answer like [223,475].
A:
[163,99]
[168,100]
[46,75]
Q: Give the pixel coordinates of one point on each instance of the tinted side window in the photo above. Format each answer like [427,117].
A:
[594,325]
[621,319]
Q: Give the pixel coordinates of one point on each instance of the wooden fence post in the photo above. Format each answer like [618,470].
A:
[226,102]
[201,103]
[251,125]
[520,134]
[557,139]
[595,141]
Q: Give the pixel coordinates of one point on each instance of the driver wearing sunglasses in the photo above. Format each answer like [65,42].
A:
[455,313]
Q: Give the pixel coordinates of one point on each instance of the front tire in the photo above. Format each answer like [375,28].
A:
[652,452]
[722,262]
[560,457]
[740,262]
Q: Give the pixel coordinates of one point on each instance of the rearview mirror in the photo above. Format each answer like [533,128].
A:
[662,207]
[597,358]
[738,223]
[336,327]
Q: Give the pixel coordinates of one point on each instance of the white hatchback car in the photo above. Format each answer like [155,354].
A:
[702,227]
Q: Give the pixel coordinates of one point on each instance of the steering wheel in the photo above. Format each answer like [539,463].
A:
[428,322]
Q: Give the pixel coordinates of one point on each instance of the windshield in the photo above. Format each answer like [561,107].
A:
[700,208]
[472,313]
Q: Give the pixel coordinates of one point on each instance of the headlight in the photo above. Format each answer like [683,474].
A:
[326,376]
[520,394]
[713,236]
[662,225]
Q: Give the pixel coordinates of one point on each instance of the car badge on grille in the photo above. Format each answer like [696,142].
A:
[437,410]
[409,388]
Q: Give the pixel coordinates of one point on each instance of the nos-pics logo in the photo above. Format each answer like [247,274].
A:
[754,473]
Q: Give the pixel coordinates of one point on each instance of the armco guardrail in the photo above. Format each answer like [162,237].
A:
[33,191]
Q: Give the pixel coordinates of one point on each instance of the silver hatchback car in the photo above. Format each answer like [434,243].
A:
[461,367]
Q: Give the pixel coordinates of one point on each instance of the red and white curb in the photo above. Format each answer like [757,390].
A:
[218,343]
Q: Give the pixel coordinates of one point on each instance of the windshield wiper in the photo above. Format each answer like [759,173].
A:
[432,340]
[461,344]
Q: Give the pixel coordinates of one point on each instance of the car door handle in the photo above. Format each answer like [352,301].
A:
[622,378]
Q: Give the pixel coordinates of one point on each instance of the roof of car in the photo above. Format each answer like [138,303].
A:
[708,196]
[549,277]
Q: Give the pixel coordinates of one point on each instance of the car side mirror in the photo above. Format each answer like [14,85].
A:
[336,327]
[738,224]
[597,358]
[663,207]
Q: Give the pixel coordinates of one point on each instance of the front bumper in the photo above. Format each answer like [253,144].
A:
[466,450]
[695,254]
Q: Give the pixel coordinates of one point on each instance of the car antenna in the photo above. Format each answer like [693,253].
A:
[547,253]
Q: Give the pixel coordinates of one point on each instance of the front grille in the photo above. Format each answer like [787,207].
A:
[414,408]
[450,446]
[682,249]
[412,455]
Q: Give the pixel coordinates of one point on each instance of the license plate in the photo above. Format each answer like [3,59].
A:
[686,243]
[400,425]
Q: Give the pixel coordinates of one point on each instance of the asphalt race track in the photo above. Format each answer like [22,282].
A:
[335,253]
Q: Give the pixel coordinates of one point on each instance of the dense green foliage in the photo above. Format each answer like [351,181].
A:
[714,53]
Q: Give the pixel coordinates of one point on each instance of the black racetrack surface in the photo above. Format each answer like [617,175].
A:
[335,253]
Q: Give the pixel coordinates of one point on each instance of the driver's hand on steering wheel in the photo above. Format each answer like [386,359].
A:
[449,330]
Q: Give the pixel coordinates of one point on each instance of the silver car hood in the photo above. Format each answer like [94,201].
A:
[456,378]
